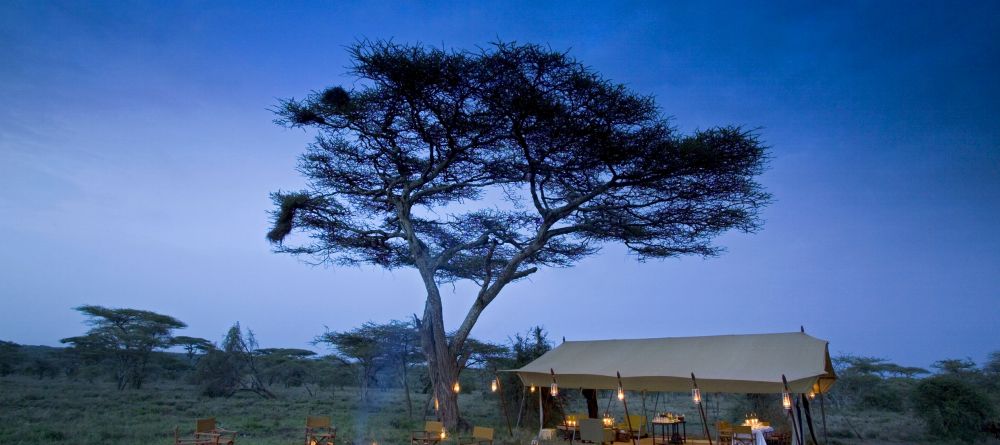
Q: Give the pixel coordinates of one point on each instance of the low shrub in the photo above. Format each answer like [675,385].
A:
[951,408]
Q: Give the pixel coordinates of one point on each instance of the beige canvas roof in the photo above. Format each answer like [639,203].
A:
[725,363]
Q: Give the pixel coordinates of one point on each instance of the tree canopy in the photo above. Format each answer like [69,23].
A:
[127,337]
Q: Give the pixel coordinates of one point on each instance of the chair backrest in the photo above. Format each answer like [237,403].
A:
[482,432]
[742,429]
[591,430]
[318,422]
[432,426]
[638,422]
[205,425]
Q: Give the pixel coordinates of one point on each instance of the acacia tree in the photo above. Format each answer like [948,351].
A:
[361,348]
[193,346]
[126,336]
[560,159]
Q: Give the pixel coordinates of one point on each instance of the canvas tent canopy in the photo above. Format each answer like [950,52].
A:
[726,363]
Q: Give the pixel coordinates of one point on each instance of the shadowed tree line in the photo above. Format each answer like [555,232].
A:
[955,398]
[131,347]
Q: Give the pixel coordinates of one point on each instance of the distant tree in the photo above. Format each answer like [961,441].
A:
[287,365]
[992,365]
[43,367]
[400,344]
[952,408]
[525,349]
[955,366]
[234,367]
[906,372]
[193,346]
[360,347]
[127,337]
[10,357]
[482,354]
[577,160]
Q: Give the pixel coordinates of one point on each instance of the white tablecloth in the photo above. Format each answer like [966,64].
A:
[758,432]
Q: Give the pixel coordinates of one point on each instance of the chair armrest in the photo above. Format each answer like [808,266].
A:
[207,434]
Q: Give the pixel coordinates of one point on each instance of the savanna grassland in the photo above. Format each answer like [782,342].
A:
[62,411]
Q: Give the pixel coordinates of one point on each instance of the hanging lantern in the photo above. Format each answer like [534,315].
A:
[456,388]
[494,384]
[786,400]
[696,396]
[621,393]
[437,406]
[554,389]
[532,389]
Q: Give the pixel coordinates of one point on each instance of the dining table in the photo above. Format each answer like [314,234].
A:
[758,432]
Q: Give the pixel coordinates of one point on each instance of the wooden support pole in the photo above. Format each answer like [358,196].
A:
[822,411]
[503,404]
[701,411]
[572,433]
[628,420]
[791,412]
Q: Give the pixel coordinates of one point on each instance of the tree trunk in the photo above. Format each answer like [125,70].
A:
[443,371]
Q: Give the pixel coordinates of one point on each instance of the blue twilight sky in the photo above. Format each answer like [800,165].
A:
[137,153]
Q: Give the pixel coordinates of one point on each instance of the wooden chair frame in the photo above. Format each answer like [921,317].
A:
[320,430]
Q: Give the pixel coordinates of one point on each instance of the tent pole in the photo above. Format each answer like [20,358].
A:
[807,407]
[541,415]
[503,404]
[701,411]
[628,420]
[645,413]
[822,411]
[572,434]
[791,412]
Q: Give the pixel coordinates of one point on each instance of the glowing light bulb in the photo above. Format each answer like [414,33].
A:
[456,388]
[812,395]
[532,388]
[443,433]
[493,385]
[437,406]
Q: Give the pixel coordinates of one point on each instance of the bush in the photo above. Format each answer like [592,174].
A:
[951,408]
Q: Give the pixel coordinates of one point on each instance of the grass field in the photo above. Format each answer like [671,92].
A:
[76,412]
